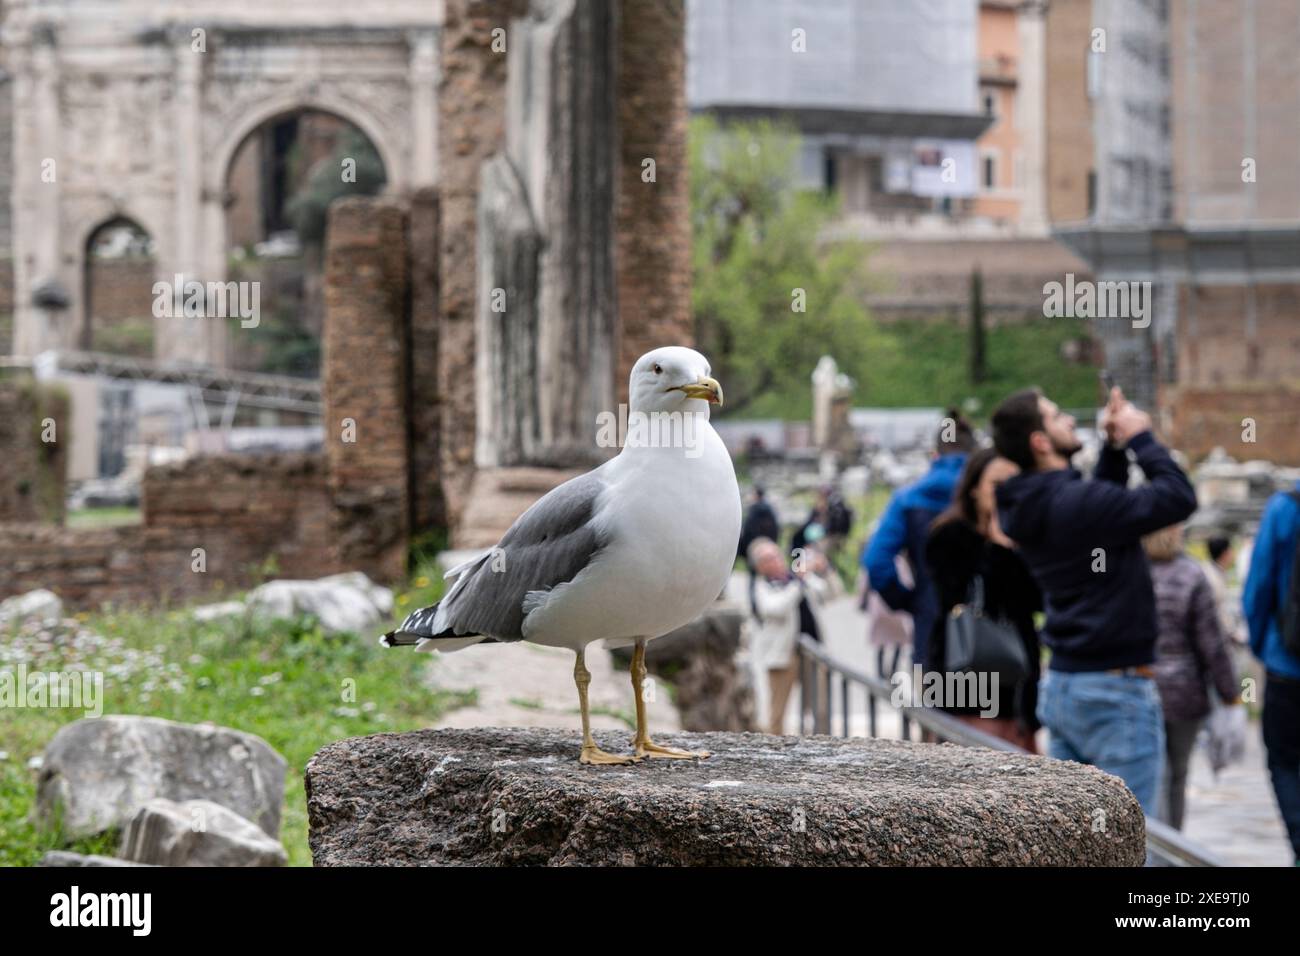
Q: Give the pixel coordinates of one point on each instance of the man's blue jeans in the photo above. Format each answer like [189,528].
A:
[1112,721]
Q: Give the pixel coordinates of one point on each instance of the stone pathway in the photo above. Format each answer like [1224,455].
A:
[1236,815]
[524,685]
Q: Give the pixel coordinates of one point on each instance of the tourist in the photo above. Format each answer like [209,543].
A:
[1222,556]
[781,611]
[888,631]
[1270,602]
[965,542]
[760,522]
[1191,649]
[829,522]
[1082,543]
[905,526]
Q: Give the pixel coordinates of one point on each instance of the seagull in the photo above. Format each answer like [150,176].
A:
[626,553]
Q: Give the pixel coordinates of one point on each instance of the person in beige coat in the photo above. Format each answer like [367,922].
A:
[781,600]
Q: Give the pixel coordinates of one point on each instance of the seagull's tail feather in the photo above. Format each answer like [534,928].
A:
[421,629]
[398,639]
[448,644]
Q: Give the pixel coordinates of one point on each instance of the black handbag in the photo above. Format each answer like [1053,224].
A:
[975,641]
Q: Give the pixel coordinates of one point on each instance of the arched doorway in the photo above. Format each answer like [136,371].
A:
[118,280]
[278,185]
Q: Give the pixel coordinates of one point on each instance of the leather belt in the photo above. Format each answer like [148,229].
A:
[1142,670]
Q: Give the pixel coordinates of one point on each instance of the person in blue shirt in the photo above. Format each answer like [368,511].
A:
[905,526]
[1271,567]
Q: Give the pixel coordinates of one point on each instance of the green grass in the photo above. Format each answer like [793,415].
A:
[626,716]
[103,517]
[927,364]
[284,681]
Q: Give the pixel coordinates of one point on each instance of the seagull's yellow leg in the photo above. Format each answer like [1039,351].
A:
[645,747]
[592,754]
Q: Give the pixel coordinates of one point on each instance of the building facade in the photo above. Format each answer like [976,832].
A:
[1192,184]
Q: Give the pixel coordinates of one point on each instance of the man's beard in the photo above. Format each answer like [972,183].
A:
[1067,450]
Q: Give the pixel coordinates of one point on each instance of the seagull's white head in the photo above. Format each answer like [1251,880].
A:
[673,379]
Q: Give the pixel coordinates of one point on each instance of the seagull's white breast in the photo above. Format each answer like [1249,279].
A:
[673,517]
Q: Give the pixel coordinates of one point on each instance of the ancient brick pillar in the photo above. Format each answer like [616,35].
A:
[471,129]
[427,506]
[366,342]
[652,222]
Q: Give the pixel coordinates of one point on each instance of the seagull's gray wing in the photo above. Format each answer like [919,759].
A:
[549,544]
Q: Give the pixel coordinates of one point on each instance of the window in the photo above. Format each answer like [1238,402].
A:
[990,103]
[1094,79]
[990,171]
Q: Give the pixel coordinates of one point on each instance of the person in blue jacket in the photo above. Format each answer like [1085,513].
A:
[1271,567]
[905,526]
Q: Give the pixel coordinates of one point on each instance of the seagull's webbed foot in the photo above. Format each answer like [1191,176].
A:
[648,749]
[593,755]
[644,746]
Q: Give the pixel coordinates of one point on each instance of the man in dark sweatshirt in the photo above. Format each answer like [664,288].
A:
[1082,542]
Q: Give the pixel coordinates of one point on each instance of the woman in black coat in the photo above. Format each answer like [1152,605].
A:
[965,540]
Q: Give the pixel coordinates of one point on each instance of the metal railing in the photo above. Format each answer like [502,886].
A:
[818,674]
[216,385]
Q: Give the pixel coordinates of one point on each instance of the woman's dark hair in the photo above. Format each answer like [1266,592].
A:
[962,507]
[955,435]
[1216,545]
[1014,421]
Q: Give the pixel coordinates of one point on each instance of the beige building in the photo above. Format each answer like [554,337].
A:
[1011,77]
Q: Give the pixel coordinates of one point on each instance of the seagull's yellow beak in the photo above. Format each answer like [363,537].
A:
[706,388]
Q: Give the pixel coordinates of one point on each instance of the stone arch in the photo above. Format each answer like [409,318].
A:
[84,298]
[390,153]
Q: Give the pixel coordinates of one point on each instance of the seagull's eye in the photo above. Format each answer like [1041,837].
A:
[659,370]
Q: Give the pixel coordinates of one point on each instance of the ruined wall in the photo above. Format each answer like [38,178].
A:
[249,515]
[1238,358]
[1226,416]
[1226,339]
[121,289]
[653,222]
[292,516]
[364,361]
[252,508]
